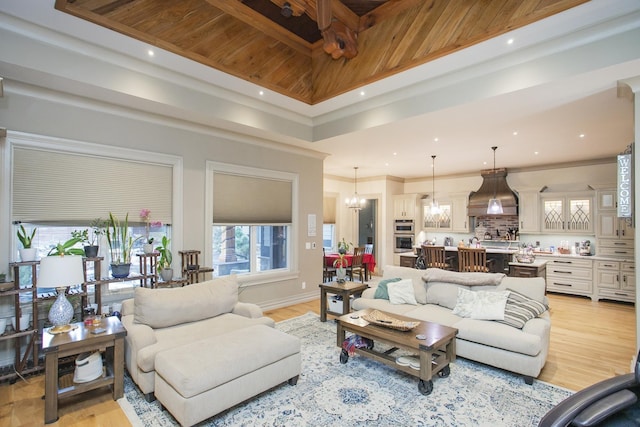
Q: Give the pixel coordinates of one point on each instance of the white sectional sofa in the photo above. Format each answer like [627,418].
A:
[492,342]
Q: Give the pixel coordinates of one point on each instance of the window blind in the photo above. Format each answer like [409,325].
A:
[53,186]
[241,199]
[329,210]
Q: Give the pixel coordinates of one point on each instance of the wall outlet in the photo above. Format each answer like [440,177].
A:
[304,285]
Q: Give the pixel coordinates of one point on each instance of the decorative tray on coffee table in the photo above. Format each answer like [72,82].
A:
[382,319]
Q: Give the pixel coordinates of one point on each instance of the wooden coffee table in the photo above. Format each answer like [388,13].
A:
[436,351]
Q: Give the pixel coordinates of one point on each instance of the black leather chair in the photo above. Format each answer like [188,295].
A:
[612,402]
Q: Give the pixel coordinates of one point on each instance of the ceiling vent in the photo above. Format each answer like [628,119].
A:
[494,184]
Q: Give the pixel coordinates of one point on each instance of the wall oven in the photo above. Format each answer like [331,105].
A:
[403,242]
[403,226]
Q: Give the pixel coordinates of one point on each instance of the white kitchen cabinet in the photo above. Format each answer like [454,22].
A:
[570,275]
[608,225]
[529,211]
[404,206]
[567,214]
[459,217]
[615,280]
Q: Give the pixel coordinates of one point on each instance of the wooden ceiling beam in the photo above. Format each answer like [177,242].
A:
[238,10]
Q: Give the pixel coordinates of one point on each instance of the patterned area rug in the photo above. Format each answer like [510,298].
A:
[365,392]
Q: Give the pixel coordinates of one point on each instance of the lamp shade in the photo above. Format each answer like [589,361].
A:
[60,271]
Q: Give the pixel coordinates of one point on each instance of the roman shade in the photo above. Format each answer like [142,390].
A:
[329,210]
[63,187]
[242,199]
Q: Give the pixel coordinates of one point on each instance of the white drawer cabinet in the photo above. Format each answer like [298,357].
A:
[616,248]
[570,275]
[615,280]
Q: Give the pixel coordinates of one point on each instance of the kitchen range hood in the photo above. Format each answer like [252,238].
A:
[494,181]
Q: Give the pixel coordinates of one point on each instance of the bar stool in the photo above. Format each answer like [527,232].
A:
[436,257]
[472,259]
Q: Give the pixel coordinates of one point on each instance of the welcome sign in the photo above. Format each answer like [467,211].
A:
[625,184]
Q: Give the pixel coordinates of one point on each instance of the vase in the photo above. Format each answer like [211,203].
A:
[147,248]
[91,251]
[341,274]
[166,274]
[28,254]
[120,271]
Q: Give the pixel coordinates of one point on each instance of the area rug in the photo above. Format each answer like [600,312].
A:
[365,392]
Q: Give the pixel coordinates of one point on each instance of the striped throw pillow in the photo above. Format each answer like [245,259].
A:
[520,309]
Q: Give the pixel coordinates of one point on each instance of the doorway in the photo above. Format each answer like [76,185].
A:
[367,221]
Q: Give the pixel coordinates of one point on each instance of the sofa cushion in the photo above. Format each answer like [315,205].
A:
[533,287]
[402,292]
[443,294]
[495,334]
[419,289]
[160,308]
[485,305]
[520,309]
[382,291]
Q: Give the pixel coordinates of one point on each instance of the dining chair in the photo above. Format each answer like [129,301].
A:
[357,267]
[436,257]
[368,248]
[329,271]
[472,259]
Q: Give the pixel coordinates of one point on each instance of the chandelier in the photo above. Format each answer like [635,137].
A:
[435,207]
[354,202]
[495,205]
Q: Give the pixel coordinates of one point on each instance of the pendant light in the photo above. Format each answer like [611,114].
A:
[435,207]
[495,205]
[355,202]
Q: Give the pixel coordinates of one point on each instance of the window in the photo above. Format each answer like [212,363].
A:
[49,235]
[252,213]
[329,237]
[241,249]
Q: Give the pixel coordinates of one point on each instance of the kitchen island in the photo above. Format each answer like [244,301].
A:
[500,256]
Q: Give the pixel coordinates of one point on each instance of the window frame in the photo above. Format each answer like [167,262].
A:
[292,241]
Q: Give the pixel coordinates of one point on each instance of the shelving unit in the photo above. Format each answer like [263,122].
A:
[191,268]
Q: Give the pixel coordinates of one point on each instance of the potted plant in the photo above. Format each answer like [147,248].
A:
[98,228]
[120,245]
[145,215]
[27,253]
[67,248]
[164,264]
[342,263]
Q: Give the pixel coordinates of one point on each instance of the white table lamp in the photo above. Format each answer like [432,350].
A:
[60,272]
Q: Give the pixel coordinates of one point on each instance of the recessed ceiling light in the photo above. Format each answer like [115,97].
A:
[515,133]
[510,41]
[536,152]
[150,52]
[362,93]
[395,154]
[582,135]
[436,139]
[386,164]
[261,92]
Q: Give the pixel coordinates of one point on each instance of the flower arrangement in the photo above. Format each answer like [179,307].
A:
[119,239]
[145,215]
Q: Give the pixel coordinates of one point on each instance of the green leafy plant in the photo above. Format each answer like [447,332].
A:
[343,246]
[98,228]
[165,253]
[120,241]
[67,248]
[81,235]
[25,238]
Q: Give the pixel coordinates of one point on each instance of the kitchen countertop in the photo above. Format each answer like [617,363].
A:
[593,257]
[536,263]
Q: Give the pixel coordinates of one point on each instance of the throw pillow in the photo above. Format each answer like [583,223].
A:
[520,309]
[481,305]
[382,291]
[401,292]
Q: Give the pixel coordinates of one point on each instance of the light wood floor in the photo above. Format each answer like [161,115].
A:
[590,341]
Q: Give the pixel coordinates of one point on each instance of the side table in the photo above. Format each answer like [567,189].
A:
[345,290]
[81,340]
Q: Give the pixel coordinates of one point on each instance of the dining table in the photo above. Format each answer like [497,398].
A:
[368,260]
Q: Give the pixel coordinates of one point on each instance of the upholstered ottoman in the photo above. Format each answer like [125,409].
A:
[200,379]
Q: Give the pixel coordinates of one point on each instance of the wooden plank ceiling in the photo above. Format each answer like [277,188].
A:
[255,41]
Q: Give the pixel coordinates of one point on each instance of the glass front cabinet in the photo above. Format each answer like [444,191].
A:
[567,214]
